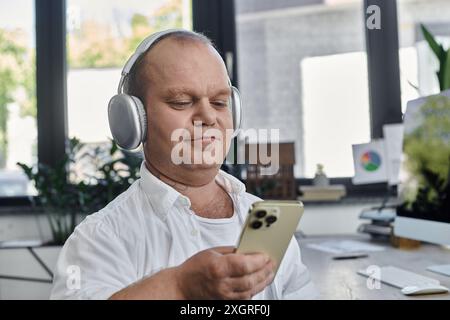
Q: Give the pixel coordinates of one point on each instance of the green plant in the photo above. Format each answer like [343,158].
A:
[443,56]
[66,193]
[426,191]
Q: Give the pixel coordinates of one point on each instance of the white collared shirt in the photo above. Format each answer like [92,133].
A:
[151,227]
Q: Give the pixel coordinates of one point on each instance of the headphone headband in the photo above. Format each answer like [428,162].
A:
[145,45]
[142,49]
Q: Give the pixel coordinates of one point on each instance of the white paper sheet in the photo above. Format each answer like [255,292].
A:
[393,136]
[363,174]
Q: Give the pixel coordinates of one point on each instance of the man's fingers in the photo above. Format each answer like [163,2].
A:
[261,285]
[251,281]
[224,250]
[257,288]
[239,265]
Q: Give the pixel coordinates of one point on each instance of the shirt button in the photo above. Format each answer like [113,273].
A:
[194,232]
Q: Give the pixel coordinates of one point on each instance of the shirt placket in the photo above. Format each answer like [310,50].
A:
[192,226]
[195,233]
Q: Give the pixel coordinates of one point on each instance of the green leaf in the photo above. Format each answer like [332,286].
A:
[446,72]
[26,169]
[437,48]
[114,148]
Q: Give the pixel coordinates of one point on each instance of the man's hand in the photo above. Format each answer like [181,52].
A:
[216,273]
[219,273]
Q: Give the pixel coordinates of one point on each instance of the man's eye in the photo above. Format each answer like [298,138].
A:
[220,104]
[180,104]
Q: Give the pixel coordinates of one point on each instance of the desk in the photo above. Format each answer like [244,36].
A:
[337,279]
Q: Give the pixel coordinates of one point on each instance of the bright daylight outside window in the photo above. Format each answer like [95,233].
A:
[101,36]
[302,69]
[18,129]
[418,64]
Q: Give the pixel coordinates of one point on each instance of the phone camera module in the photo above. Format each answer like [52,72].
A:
[260,214]
[271,219]
[256,224]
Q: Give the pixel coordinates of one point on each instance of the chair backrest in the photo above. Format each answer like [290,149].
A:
[280,185]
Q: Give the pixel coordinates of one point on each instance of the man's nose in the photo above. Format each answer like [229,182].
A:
[204,113]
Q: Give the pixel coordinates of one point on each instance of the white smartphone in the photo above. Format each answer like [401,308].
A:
[269,227]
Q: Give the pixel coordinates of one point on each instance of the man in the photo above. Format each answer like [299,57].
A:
[171,234]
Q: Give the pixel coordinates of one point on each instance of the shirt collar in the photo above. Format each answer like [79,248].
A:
[163,197]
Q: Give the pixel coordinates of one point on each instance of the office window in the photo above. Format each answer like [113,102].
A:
[418,64]
[101,35]
[18,132]
[302,69]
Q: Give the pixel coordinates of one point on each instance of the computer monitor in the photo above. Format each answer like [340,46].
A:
[424,187]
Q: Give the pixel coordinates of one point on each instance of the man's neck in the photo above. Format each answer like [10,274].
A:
[181,186]
[201,197]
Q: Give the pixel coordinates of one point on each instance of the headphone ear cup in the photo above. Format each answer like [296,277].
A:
[236,108]
[142,117]
[127,121]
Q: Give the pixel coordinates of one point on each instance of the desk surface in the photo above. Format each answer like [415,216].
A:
[337,279]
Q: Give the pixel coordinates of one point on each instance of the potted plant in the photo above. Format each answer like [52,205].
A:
[68,192]
[427,192]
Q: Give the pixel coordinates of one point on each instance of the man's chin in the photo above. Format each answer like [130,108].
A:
[201,166]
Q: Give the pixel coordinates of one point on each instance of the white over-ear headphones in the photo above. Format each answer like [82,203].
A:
[126,113]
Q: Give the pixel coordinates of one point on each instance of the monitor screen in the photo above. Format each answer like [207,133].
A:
[424,176]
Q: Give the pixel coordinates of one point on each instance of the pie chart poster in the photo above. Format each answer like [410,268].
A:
[370,162]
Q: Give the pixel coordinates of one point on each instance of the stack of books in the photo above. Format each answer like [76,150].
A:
[380,223]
